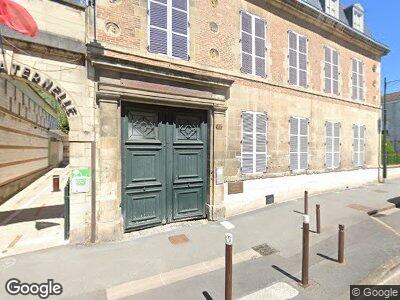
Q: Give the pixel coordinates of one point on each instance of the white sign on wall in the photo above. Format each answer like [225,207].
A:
[80,180]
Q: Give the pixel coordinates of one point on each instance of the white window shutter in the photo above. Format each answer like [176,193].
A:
[247,142]
[329,145]
[336,145]
[328,70]
[335,72]
[303,61]
[180,29]
[362,145]
[259,47]
[247,43]
[298,144]
[293,59]
[158,36]
[261,142]
[354,79]
[303,144]
[360,81]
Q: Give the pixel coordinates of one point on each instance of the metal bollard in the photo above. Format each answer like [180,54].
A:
[341,244]
[56,183]
[306,250]
[228,266]
[306,202]
[318,217]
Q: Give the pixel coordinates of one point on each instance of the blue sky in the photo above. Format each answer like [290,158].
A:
[383,20]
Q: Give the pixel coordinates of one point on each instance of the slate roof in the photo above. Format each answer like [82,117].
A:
[319,4]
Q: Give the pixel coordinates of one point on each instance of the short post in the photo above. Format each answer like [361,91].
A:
[306,250]
[341,244]
[228,266]
[306,202]
[318,217]
[56,183]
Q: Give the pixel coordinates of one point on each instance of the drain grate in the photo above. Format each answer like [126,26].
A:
[264,249]
[178,239]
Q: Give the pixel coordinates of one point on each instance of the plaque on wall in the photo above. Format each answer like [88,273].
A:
[235,187]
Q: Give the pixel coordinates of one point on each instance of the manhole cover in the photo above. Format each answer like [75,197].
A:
[178,239]
[264,249]
[7,262]
[360,207]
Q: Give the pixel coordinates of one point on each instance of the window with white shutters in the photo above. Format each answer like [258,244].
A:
[169,27]
[358,145]
[332,8]
[298,59]
[357,79]
[253,45]
[331,71]
[332,145]
[254,142]
[298,144]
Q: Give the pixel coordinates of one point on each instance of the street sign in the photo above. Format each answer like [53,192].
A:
[80,180]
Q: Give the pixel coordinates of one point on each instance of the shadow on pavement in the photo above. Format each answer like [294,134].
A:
[395,201]
[327,257]
[286,273]
[32,214]
[207,296]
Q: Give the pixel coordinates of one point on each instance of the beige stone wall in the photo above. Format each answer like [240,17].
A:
[57,18]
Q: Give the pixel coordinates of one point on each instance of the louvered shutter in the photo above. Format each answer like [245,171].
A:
[247,142]
[303,144]
[247,43]
[360,81]
[302,61]
[328,70]
[158,10]
[294,144]
[329,145]
[292,58]
[354,80]
[336,145]
[362,146]
[259,45]
[335,72]
[180,29]
[261,142]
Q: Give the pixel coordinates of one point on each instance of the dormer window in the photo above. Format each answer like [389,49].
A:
[332,8]
[358,17]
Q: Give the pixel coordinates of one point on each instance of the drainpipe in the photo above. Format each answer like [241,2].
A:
[384,134]
[93,195]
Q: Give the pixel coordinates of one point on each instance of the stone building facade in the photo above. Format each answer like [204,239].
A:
[192,122]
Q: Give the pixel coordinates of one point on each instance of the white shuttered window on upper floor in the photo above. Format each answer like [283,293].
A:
[298,59]
[298,144]
[331,71]
[357,79]
[254,142]
[332,145]
[253,46]
[358,145]
[169,27]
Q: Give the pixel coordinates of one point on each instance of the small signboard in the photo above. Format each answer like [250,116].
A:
[80,180]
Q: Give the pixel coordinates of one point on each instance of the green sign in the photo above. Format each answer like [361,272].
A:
[80,180]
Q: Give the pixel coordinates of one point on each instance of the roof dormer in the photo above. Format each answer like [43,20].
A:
[355,15]
[332,8]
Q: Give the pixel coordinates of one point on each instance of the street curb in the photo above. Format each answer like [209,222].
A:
[383,272]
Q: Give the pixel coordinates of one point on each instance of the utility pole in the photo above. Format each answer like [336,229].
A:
[384,131]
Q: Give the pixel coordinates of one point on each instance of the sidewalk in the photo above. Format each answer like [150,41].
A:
[33,218]
[151,267]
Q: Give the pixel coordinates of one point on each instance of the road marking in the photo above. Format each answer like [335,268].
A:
[14,241]
[277,291]
[141,285]
[387,226]
[228,225]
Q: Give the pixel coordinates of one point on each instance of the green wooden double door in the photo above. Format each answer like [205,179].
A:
[164,165]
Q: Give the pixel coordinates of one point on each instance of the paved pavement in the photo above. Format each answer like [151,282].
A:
[151,267]
[33,218]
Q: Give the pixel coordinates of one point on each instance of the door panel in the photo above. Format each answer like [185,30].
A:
[144,184]
[165,157]
[189,165]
